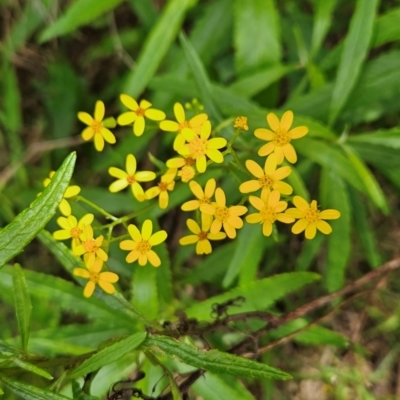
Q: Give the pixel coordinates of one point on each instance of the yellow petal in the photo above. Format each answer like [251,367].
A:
[147,229]
[117,173]
[267,228]
[256,202]
[311,230]
[64,223]
[137,191]
[98,142]
[324,227]
[266,149]
[130,164]
[206,130]
[87,134]
[273,122]
[298,132]
[286,219]
[230,230]
[270,164]
[158,238]
[201,164]
[254,218]
[72,191]
[163,200]
[81,272]
[65,208]
[279,154]
[254,168]
[143,259]
[197,121]
[106,286]
[144,104]
[299,226]
[196,189]
[220,197]
[99,110]
[283,187]
[153,258]
[249,186]
[89,289]
[129,102]
[169,126]
[128,245]
[216,143]
[207,209]
[155,115]
[127,118]
[286,120]
[190,205]
[85,118]
[300,203]
[329,214]
[294,213]
[132,256]
[238,210]
[264,134]
[215,155]
[152,192]
[236,222]
[290,153]
[179,112]
[135,233]
[109,277]
[138,126]
[193,226]
[108,136]
[281,173]
[61,235]
[203,247]
[190,239]
[216,236]
[118,185]
[216,226]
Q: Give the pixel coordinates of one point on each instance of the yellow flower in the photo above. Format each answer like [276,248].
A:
[139,111]
[186,164]
[280,137]
[241,123]
[70,192]
[310,218]
[72,229]
[130,177]
[96,129]
[141,245]
[166,184]
[270,210]
[200,146]
[103,279]
[201,236]
[227,217]
[90,246]
[203,197]
[267,179]
[181,123]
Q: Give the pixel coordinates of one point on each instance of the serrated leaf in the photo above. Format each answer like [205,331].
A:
[256,34]
[212,360]
[156,46]
[81,12]
[16,235]
[259,295]
[355,50]
[200,75]
[373,189]
[31,368]
[248,252]
[29,392]
[23,305]
[108,354]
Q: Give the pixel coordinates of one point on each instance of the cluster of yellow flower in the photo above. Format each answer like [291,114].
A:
[196,149]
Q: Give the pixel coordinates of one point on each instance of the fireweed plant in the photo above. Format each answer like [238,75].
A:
[196,149]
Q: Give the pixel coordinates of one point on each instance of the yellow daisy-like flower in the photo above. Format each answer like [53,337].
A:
[201,236]
[310,218]
[139,111]
[201,146]
[181,123]
[72,229]
[267,179]
[186,164]
[226,217]
[141,245]
[204,197]
[96,129]
[103,279]
[130,177]
[70,192]
[241,123]
[165,185]
[90,247]
[270,210]
[280,137]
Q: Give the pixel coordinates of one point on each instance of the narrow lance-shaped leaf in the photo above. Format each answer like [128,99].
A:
[30,392]
[16,235]
[32,368]
[212,360]
[108,354]
[23,305]
[354,53]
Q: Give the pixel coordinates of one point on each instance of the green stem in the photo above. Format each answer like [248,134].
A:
[96,207]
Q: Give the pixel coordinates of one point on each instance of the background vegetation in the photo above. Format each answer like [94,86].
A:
[335,64]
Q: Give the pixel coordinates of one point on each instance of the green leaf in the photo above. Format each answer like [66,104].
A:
[259,295]
[260,80]
[322,21]
[373,189]
[215,387]
[256,35]
[387,28]
[318,335]
[23,305]
[200,75]
[31,368]
[334,195]
[29,392]
[354,53]
[308,253]
[1,392]
[156,46]
[389,138]
[108,354]
[248,252]
[81,12]
[16,235]
[212,360]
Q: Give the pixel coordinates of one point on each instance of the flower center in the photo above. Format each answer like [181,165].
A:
[281,138]
[311,215]
[94,277]
[96,126]
[268,214]
[143,247]
[163,186]
[75,232]
[266,182]
[205,200]
[90,246]
[131,179]
[183,125]
[189,161]
[202,235]
[186,173]
[241,123]
[197,147]
[222,213]
[139,112]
